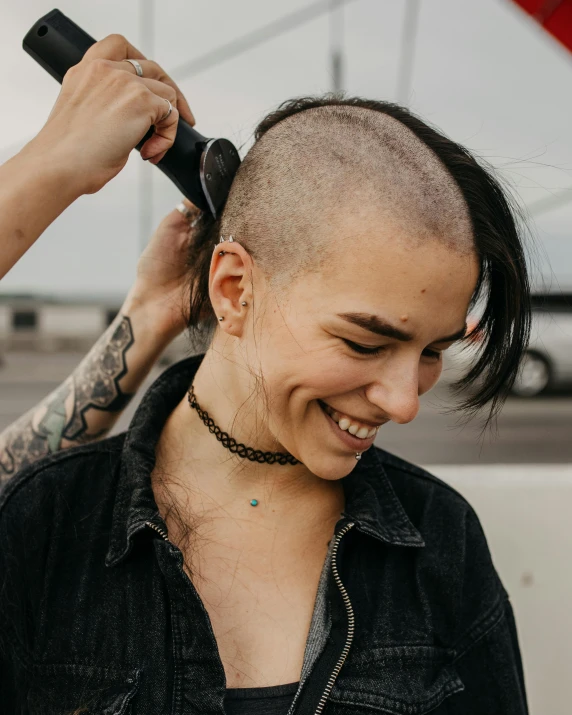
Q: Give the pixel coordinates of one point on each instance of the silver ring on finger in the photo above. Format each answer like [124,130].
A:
[168,112]
[137,66]
[185,210]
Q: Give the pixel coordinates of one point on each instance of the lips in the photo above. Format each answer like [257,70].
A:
[357,428]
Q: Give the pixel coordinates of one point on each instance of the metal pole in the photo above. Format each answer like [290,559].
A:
[146,34]
[408,38]
[337,44]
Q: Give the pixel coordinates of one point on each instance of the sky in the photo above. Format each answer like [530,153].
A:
[483,73]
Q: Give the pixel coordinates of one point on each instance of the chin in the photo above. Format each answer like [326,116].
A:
[330,467]
[331,453]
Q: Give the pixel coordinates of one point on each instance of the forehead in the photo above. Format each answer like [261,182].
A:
[393,274]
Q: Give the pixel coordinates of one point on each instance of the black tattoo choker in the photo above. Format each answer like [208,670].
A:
[254,455]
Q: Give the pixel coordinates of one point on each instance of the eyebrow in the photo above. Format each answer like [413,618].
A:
[376,325]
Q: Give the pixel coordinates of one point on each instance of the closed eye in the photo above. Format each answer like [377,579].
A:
[365,350]
[434,354]
[362,349]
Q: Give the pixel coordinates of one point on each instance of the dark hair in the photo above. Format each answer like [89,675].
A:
[503,287]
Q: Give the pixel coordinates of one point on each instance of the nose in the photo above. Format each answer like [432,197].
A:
[396,396]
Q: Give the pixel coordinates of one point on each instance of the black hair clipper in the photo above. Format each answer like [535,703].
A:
[202,169]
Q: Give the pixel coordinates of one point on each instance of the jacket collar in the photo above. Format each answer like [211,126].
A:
[371,501]
[135,503]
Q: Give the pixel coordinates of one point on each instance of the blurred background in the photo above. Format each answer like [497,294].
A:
[483,71]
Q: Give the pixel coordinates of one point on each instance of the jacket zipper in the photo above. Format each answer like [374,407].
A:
[351,621]
[162,533]
[347,603]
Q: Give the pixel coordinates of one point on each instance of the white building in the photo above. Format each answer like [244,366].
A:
[53,325]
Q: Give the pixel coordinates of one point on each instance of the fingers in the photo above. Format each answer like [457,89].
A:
[191,207]
[187,210]
[118,48]
[151,70]
[113,47]
[165,123]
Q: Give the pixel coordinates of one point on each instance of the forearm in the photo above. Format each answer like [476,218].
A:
[34,190]
[86,406]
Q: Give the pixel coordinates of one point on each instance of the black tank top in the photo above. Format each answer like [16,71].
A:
[274,700]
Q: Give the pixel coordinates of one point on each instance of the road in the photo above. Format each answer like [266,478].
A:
[528,431]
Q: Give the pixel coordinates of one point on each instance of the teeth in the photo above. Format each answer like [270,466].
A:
[344,423]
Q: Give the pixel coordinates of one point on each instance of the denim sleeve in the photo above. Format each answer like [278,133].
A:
[8,596]
[491,670]
[19,579]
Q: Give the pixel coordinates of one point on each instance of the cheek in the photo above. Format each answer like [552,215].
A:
[320,376]
[295,356]
[300,381]
[429,376]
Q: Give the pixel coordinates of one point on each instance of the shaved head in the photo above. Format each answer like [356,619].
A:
[316,166]
[341,187]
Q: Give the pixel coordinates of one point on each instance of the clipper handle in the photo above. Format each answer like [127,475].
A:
[201,168]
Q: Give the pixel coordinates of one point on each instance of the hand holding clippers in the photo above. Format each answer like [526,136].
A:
[201,168]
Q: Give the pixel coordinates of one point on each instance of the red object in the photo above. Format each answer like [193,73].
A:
[554,15]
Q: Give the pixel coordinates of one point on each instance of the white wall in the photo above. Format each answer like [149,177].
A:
[5,320]
[70,320]
[526,512]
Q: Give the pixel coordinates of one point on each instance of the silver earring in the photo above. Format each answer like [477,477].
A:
[231,239]
[221,318]
[244,303]
[358,455]
[221,253]
[221,239]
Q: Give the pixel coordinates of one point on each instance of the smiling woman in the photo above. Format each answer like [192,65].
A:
[354,241]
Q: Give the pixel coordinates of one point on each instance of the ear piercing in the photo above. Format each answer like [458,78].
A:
[243,302]
[221,253]
[358,454]
[222,240]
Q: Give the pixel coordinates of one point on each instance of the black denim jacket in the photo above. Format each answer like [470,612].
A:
[98,616]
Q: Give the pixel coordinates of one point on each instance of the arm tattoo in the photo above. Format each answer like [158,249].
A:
[93,386]
[24,443]
[97,385]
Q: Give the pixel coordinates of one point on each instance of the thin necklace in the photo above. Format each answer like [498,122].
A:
[254,455]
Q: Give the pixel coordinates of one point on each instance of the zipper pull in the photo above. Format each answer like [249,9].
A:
[162,533]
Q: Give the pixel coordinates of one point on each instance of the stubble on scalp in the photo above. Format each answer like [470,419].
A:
[326,162]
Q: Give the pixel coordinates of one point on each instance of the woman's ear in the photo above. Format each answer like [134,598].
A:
[230,286]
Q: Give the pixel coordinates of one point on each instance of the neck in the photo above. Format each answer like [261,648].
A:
[214,479]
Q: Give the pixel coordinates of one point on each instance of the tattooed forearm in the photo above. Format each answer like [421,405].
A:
[96,386]
[35,434]
[82,409]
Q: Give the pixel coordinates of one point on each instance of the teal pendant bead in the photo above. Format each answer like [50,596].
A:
[254,502]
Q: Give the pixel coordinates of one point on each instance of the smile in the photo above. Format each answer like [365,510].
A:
[350,424]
